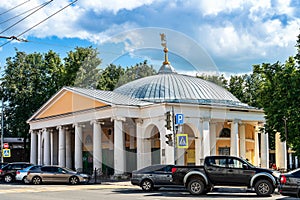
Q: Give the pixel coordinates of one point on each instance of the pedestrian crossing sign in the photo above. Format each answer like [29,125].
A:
[182,140]
[6,152]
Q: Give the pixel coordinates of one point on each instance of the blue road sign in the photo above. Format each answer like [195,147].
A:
[179,119]
[182,141]
[6,152]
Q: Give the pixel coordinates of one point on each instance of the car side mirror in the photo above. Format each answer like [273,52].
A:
[245,166]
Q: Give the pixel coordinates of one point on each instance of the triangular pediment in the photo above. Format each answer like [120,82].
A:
[66,102]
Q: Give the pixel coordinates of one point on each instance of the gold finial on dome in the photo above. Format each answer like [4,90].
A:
[164,44]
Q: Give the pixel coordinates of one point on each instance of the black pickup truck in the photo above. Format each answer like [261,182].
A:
[225,171]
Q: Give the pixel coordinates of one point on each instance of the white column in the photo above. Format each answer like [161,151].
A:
[206,138]
[256,149]
[198,131]
[264,156]
[280,152]
[296,162]
[242,129]
[111,140]
[39,147]
[78,147]
[61,146]
[132,135]
[290,158]
[119,147]
[51,147]
[97,145]
[234,138]
[143,151]
[46,134]
[68,149]
[213,139]
[33,147]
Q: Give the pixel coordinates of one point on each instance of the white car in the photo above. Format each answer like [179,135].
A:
[22,174]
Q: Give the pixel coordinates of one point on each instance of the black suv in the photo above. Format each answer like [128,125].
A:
[8,172]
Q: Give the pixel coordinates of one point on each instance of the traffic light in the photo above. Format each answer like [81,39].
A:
[169,140]
[168,120]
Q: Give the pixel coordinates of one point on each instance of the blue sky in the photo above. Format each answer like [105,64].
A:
[223,36]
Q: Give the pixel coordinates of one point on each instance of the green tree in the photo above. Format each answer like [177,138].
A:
[109,77]
[81,68]
[219,80]
[29,80]
[137,71]
[236,87]
[279,97]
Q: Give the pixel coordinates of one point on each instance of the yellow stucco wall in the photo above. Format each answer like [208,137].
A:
[69,102]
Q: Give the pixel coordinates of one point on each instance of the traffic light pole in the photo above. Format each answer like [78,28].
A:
[2,131]
[174,135]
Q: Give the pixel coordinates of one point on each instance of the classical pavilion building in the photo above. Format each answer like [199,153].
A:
[123,130]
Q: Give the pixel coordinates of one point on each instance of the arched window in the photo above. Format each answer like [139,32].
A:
[225,132]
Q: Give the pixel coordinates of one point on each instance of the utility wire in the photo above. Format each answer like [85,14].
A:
[20,14]
[14,7]
[42,6]
[41,21]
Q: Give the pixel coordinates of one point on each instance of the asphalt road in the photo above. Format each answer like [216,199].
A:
[116,191]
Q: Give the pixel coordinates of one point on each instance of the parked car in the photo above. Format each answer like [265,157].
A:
[290,183]
[8,172]
[153,177]
[22,173]
[56,174]
[225,171]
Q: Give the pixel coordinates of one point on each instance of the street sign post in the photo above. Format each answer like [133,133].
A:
[182,140]
[179,119]
[6,153]
[5,145]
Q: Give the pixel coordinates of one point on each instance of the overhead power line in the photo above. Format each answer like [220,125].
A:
[41,21]
[42,6]
[14,7]
[7,20]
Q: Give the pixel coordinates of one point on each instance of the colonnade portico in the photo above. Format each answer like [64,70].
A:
[69,148]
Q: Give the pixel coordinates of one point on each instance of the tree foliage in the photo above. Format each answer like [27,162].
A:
[109,77]
[279,96]
[28,81]
[219,80]
[137,71]
[81,68]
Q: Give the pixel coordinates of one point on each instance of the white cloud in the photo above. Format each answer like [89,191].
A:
[114,5]
[227,29]
[215,7]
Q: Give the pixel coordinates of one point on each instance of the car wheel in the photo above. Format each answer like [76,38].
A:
[24,180]
[74,180]
[36,180]
[8,178]
[196,187]
[263,188]
[147,185]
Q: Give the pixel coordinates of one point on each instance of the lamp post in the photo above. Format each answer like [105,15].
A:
[2,128]
[287,147]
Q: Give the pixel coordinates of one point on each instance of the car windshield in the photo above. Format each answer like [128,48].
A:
[68,169]
[27,168]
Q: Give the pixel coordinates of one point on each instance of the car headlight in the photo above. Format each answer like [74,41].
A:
[276,174]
